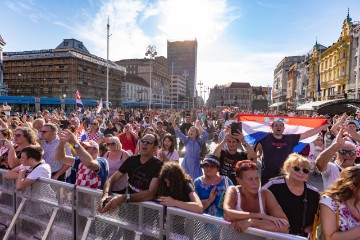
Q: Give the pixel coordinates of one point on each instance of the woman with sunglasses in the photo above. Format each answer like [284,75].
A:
[93,132]
[23,137]
[340,207]
[167,152]
[297,198]
[116,157]
[211,187]
[247,206]
[177,190]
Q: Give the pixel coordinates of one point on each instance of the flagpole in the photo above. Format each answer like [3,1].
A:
[107,66]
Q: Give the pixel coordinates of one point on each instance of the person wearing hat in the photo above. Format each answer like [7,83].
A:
[90,170]
[351,128]
[211,187]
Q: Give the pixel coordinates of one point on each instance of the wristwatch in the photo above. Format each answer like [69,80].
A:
[76,145]
[128,198]
[245,144]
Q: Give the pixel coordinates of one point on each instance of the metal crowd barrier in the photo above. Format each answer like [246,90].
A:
[55,210]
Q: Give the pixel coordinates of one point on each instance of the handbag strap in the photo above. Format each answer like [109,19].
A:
[305,201]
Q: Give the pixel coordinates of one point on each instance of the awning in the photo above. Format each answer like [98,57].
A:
[312,106]
[277,104]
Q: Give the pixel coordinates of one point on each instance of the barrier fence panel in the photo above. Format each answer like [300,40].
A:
[7,203]
[129,221]
[45,210]
[185,225]
[50,209]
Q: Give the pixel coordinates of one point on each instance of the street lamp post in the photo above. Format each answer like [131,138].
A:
[201,84]
[151,52]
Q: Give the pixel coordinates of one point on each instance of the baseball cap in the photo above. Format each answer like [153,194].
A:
[212,160]
[90,143]
[356,123]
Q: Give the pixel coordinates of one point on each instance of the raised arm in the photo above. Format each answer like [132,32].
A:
[311,132]
[335,128]
[13,161]
[325,156]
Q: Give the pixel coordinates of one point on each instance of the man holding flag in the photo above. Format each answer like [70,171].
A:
[275,147]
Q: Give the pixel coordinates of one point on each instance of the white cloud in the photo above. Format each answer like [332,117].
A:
[136,24]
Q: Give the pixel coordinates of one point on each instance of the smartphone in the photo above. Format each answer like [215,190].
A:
[235,127]
[2,142]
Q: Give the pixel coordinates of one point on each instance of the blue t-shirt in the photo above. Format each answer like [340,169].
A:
[203,190]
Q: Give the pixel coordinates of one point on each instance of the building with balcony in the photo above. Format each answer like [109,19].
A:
[334,65]
[63,70]
[236,94]
[281,79]
[354,61]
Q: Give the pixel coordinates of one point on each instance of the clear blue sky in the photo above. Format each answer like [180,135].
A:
[239,40]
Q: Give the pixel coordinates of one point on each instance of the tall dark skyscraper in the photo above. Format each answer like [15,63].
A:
[182,61]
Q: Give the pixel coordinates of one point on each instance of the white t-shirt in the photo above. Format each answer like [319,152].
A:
[43,170]
[228,122]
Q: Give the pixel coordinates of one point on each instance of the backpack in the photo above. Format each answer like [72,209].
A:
[204,149]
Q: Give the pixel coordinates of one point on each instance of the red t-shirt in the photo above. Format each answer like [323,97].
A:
[127,144]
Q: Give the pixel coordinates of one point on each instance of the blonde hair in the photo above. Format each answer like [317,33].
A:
[117,143]
[197,131]
[292,160]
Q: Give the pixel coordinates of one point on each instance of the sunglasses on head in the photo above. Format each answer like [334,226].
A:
[146,141]
[344,152]
[110,144]
[249,166]
[304,170]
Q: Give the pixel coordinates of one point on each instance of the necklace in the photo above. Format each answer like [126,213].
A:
[210,181]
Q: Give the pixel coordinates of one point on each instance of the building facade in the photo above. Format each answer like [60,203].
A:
[182,61]
[3,86]
[281,79]
[237,94]
[354,61]
[60,71]
[137,90]
[178,90]
[156,70]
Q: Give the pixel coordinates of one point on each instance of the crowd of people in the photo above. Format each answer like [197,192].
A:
[136,155]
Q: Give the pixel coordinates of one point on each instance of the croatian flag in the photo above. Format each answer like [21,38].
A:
[256,127]
[79,103]
[99,107]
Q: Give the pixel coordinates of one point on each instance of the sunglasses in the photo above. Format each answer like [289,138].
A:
[344,152]
[110,144]
[43,132]
[93,123]
[208,166]
[304,170]
[17,135]
[146,141]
